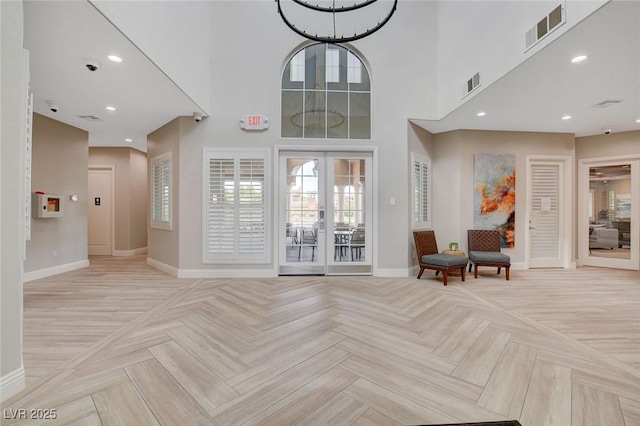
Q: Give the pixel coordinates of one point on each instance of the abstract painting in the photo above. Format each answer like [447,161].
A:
[494,199]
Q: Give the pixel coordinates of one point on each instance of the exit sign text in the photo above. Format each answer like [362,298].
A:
[254,122]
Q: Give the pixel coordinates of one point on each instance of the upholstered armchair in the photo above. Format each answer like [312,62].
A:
[429,258]
[484,250]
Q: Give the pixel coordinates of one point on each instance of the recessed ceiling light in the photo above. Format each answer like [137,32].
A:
[579,59]
[481,114]
[566,117]
[110,108]
[115,58]
[638,120]
[128,140]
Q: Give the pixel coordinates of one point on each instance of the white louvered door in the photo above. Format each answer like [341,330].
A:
[546,204]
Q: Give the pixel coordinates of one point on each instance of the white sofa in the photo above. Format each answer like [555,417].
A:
[602,238]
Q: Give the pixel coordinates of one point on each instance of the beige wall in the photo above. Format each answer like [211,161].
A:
[453,178]
[420,142]
[615,144]
[163,244]
[59,166]
[130,222]
[139,191]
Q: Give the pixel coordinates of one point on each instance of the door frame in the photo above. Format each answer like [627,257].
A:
[325,148]
[633,263]
[112,171]
[566,207]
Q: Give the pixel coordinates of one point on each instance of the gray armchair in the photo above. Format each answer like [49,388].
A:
[429,258]
[484,250]
[308,238]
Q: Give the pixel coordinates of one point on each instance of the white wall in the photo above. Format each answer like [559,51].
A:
[182,51]
[245,79]
[12,134]
[489,37]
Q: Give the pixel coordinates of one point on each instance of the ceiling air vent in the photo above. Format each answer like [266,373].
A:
[544,27]
[607,103]
[473,83]
[89,117]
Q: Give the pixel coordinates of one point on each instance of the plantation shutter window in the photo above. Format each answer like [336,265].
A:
[161,192]
[236,208]
[421,183]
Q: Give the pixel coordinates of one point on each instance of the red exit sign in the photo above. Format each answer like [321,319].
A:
[254,122]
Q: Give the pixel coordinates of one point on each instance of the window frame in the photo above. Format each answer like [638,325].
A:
[159,161]
[235,257]
[325,93]
[418,190]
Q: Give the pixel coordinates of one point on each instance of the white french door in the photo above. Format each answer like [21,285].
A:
[325,213]
[548,215]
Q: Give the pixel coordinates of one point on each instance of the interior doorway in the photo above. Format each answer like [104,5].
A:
[325,213]
[549,224]
[100,205]
[609,213]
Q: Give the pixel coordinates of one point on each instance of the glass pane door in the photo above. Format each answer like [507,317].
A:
[348,211]
[611,206]
[611,224]
[302,214]
[324,212]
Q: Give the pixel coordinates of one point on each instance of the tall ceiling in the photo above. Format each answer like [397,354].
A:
[63,37]
[599,93]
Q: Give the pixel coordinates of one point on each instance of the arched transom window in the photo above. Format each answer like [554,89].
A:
[326,93]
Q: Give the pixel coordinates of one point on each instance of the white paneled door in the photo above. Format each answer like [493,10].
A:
[325,218]
[546,213]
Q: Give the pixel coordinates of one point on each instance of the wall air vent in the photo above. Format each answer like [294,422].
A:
[473,83]
[544,27]
[89,117]
[555,17]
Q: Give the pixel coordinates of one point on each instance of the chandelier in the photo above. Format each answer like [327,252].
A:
[357,19]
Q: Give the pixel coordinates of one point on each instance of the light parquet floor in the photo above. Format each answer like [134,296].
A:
[120,343]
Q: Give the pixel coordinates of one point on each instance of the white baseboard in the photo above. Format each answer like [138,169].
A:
[54,270]
[227,273]
[12,383]
[211,273]
[393,272]
[270,273]
[163,267]
[133,252]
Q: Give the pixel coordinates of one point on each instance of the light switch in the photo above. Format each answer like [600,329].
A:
[392,201]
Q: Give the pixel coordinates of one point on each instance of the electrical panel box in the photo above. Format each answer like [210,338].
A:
[46,205]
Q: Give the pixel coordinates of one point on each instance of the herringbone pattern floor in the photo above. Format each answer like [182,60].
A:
[120,343]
